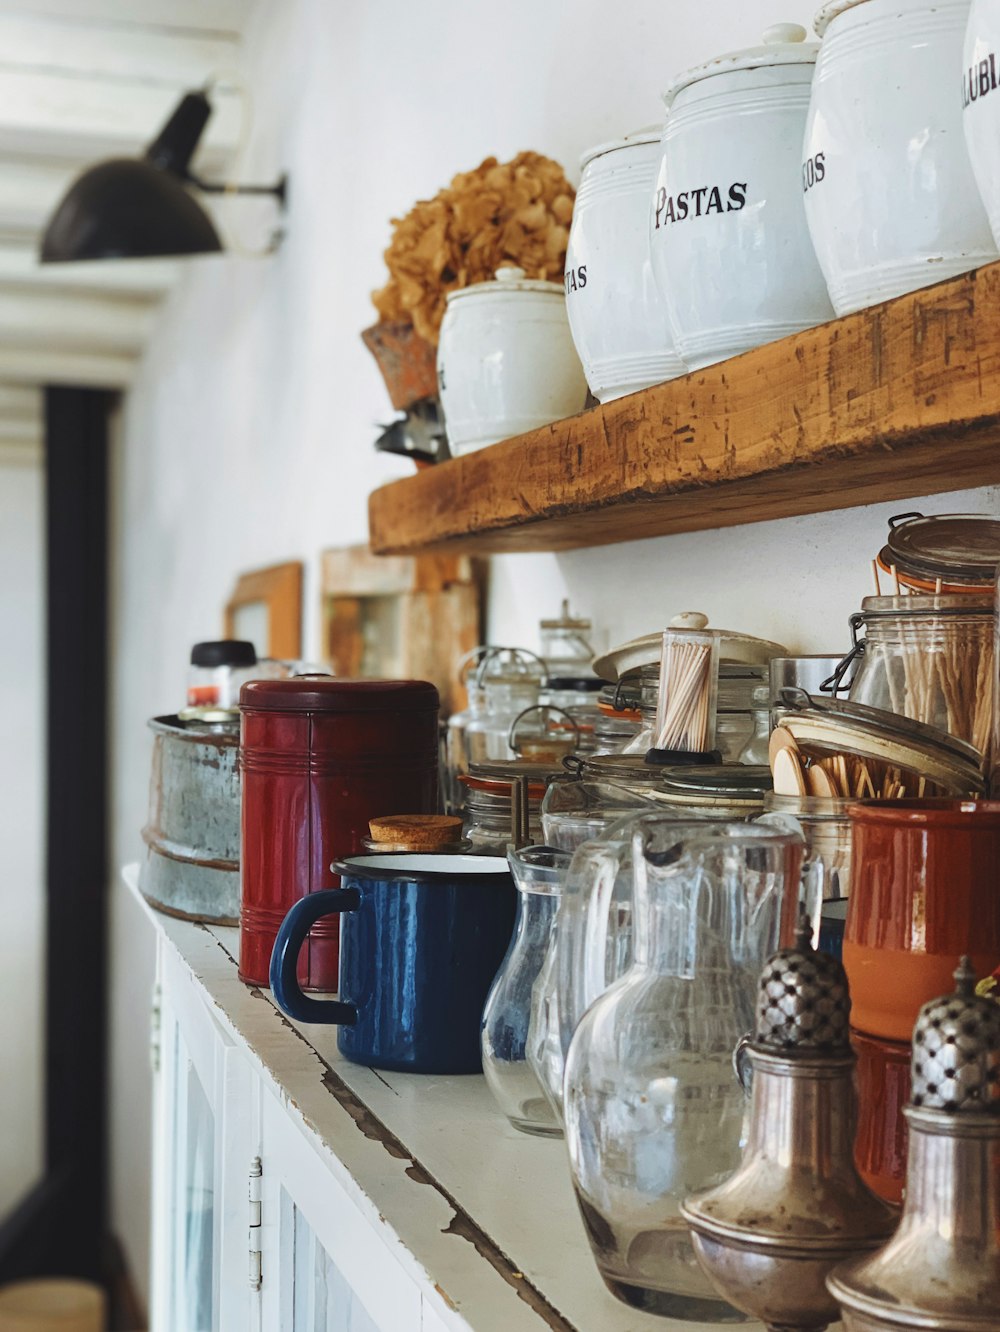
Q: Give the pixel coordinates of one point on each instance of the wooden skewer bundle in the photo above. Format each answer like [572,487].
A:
[687,684]
[943,674]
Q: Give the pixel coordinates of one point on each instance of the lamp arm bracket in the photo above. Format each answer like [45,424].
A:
[279,189]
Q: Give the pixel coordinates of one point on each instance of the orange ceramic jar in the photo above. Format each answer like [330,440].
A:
[925,889]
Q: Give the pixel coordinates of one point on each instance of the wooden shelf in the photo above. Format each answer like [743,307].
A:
[899,400]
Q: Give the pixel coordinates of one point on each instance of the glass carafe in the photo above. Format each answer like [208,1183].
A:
[653,1107]
[516,1014]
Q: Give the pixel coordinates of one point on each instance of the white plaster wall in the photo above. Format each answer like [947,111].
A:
[22,888]
[247,437]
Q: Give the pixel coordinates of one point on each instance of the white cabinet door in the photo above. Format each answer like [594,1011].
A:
[207,1132]
[329,1264]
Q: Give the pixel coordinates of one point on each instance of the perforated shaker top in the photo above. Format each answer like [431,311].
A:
[956,1051]
[803,1004]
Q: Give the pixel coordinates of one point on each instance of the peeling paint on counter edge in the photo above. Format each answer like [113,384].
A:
[461,1225]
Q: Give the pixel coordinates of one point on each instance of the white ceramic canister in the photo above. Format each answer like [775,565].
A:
[890,196]
[981,103]
[728,235]
[617,315]
[506,361]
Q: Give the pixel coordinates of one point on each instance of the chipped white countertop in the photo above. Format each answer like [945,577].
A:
[483,1215]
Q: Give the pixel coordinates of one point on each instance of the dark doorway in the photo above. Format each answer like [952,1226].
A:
[60,1227]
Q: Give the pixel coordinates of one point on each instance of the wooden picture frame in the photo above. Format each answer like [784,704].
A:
[267,604]
[402,617]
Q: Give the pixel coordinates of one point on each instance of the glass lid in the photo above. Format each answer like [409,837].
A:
[833,725]
[956,547]
[732,781]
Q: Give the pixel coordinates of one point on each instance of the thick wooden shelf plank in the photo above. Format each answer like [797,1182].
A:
[899,400]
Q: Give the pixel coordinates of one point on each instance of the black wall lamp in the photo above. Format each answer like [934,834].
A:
[140,207]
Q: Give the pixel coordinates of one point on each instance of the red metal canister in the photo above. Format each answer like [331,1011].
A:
[320,757]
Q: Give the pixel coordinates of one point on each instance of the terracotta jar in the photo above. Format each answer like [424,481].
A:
[925,889]
[882,1074]
[320,757]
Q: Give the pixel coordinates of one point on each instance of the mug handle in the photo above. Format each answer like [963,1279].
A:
[285,958]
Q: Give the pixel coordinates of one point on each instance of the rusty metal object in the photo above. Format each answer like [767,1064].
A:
[796,1207]
[941,1270]
[407,361]
[192,865]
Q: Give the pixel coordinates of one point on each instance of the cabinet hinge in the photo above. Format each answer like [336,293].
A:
[155,1023]
[256,1277]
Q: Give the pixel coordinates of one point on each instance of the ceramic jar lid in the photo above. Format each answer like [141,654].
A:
[648,134]
[781,44]
[324,693]
[508,281]
[831,10]
[646,651]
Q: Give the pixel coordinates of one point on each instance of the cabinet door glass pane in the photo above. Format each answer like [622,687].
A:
[316,1294]
[22,822]
[194,1192]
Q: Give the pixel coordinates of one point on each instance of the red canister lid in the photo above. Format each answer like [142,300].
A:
[326,693]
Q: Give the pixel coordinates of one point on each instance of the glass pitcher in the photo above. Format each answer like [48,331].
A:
[653,1108]
[516,1014]
[596,897]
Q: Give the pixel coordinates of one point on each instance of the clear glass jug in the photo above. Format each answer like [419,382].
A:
[516,1015]
[653,1108]
[596,902]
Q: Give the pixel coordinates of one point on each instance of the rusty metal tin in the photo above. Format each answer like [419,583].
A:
[192,865]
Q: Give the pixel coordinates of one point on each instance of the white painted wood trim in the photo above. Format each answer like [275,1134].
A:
[110,49]
[43,366]
[84,119]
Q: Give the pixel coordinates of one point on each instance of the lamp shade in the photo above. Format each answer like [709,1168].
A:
[127,208]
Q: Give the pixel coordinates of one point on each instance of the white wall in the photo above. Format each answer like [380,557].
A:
[247,438]
[22,888]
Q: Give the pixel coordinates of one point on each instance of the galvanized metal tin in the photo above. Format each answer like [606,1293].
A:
[192,865]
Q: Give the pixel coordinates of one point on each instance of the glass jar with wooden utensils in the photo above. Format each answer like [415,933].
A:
[833,749]
[928,657]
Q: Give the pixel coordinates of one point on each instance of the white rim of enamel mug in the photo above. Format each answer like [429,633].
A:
[408,865]
[507,286]
[639,137]
[831,10]
[756,57]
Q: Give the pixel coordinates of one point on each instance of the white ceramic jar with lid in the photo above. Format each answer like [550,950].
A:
[728,235]
[981,103]
[616,313]
[890,198]
[506,361]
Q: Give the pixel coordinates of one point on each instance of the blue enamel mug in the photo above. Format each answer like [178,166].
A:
[421,939]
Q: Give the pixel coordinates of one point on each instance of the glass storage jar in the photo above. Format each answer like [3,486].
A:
[566,649]
[825,829]
[217,672]
[511,680]
[516,1015]
[489,803]
[929,658]
[742,722]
